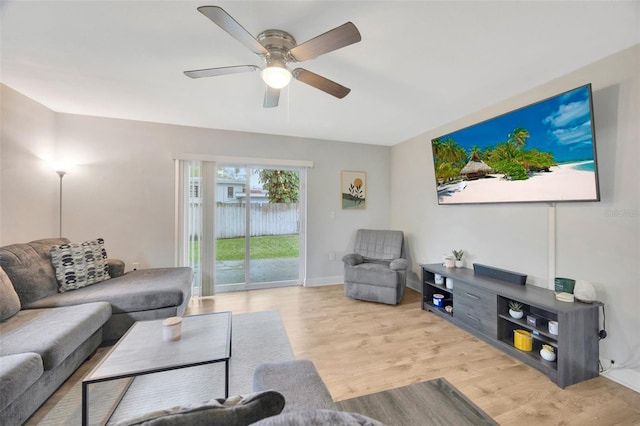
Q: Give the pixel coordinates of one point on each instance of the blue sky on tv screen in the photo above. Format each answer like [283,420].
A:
[560,125]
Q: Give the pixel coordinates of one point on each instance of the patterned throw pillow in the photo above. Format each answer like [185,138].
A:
[80,265]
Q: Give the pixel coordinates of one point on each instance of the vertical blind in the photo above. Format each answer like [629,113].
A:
[196,217]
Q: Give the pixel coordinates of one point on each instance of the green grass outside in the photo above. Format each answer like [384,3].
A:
[266,247]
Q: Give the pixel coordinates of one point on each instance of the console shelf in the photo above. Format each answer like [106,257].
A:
[481,307]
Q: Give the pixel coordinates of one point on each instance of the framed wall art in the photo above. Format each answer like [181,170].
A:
[354,189]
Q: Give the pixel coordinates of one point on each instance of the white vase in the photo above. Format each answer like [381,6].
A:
[516,314]
[548,355]
[459,263]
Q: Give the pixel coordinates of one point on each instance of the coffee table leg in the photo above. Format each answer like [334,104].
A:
[226,379]
[85,405]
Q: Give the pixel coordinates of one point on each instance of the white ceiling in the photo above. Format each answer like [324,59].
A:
[420,64]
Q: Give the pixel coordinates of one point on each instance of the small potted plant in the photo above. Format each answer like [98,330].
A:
[515,310]
[548,353]
[458,256]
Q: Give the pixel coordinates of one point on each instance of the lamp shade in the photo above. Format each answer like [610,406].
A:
[276,76]
[62,167]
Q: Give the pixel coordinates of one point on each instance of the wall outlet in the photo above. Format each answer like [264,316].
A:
[332,255]
[135,266]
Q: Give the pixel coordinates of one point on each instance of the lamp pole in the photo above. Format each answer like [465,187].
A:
[60,173]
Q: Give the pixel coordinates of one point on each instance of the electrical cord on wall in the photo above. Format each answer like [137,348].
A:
[603,333]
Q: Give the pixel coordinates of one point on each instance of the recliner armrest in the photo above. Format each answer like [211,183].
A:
[352,259]
[399,264]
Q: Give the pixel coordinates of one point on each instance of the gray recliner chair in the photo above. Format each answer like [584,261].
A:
[376,270]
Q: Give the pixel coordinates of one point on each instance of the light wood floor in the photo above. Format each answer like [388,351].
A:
[361,348]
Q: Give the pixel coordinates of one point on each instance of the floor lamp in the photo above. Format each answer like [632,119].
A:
[60,173]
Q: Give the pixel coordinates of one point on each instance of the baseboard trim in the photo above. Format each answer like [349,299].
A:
[321,281]
[624,376]
[414,285]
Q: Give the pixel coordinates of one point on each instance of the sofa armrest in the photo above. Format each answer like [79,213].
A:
[352,259]
[399,264]
[116,267]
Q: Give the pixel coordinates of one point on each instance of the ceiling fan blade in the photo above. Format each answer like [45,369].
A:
[335,39]
[321,83]
[233,28]
[211,72]
[271,97]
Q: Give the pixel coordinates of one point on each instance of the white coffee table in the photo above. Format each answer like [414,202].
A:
[205,339]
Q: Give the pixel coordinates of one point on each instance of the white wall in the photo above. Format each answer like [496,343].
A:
[27,134]
[122,188]
[599,242]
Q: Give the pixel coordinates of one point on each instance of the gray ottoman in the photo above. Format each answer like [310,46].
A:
[298,381]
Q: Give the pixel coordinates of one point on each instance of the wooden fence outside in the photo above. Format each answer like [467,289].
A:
[266,219]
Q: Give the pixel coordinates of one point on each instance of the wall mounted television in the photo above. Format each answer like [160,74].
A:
[542,152]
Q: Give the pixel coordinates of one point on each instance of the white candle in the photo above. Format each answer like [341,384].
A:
[171,329]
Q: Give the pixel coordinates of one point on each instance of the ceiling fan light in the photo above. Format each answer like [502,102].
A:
[276,76]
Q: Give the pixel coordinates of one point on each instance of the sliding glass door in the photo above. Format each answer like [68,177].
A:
[240,226]
[258,227]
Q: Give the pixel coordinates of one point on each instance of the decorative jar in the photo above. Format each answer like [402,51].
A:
[547,354]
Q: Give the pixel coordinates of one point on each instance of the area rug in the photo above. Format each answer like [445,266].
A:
[257,338]
[435,402]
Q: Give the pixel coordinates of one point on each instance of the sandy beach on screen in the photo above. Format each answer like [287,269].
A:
[561,183]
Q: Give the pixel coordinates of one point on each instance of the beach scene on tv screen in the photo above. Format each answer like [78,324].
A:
[541,152]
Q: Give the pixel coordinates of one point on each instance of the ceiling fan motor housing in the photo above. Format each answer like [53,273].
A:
[278,43]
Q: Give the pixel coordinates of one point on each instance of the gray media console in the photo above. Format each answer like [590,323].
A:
[480,306]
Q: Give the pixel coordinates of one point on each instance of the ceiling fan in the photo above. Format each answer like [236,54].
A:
[278,48]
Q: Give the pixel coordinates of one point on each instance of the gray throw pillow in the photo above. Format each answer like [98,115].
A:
[234,411]
[80,265]
[9,300]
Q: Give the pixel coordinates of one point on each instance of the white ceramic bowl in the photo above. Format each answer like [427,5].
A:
[548,355]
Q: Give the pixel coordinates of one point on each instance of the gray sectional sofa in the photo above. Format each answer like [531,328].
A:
[46,335]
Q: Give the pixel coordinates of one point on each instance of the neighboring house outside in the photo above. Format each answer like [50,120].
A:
[229,191]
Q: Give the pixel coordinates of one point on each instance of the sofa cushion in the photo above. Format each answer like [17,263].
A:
[29,268]
[78,265]
[9,300]
[141,290]
[17,373]
[234,411]
[318,418]
[52,333]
